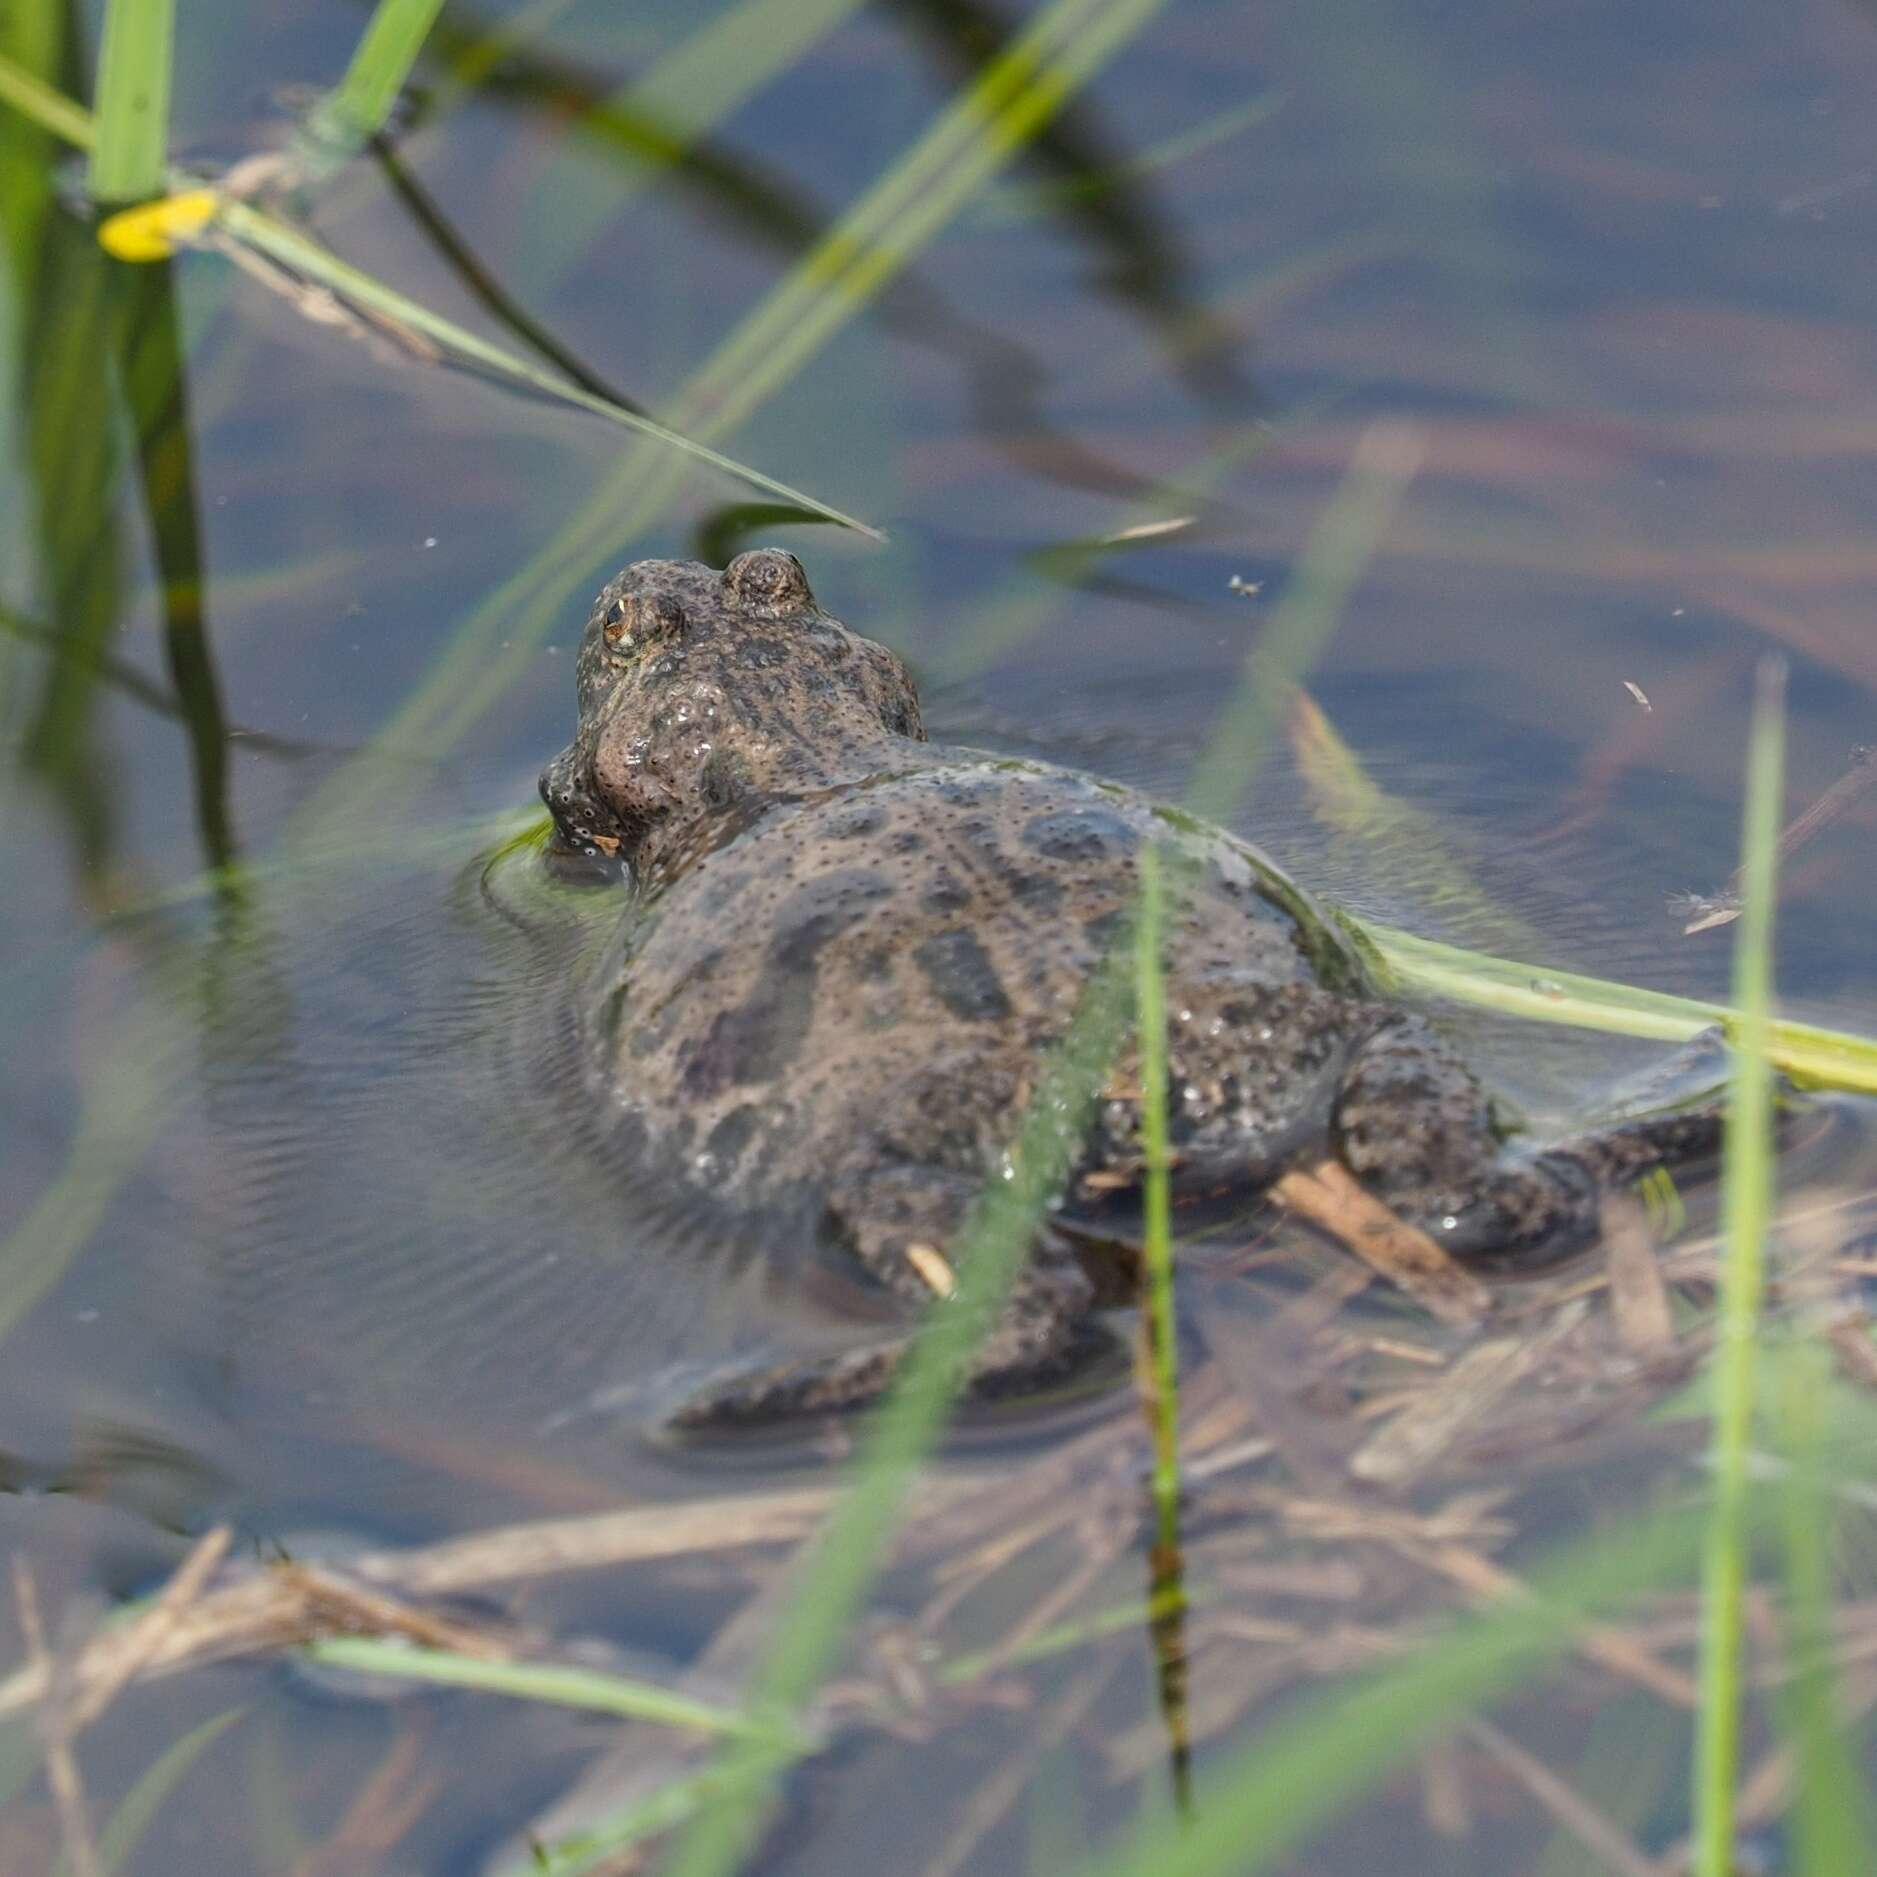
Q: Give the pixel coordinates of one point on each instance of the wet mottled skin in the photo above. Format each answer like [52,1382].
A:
[845,950]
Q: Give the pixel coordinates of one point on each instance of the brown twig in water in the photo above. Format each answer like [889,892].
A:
[147,1634]
[1639,1303]
[1329,1197]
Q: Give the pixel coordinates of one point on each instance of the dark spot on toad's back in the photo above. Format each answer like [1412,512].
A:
[959,969]
[1084,834]
[755,1041]
[946,894]
[846,950]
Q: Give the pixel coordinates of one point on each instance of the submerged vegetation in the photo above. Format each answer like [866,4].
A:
[1778,1398]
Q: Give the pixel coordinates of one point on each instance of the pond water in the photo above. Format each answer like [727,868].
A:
[285,1242]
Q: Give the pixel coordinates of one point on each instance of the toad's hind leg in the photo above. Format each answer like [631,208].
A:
[1415,1127]
[902,1221]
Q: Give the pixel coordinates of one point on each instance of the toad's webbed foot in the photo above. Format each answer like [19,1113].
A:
[1414,1125]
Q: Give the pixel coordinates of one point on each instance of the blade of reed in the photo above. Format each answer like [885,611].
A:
[663,111]
[1813,1055]
[839,1564]
[129,161]
[1010,101]
[1340,546]
[47,107]
[1746,1207]
[357,107]
[555,1682]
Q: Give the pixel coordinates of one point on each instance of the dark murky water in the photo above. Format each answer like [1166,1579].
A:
[282,1242]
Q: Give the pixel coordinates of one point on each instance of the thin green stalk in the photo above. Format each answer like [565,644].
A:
[1159,1353]
[1746,1206]
[357,107]
[130,159]
[50,109]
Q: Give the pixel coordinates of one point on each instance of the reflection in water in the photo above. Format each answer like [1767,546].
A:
[157,393]
[76,319]
[1140,261]
[414,1208]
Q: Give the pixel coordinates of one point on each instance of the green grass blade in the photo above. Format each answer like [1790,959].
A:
[555,1682]
[662,113]
[1746,1206]
[670,1806]
[356,108]
[1014,97]
[307,258]
[131,156]
[1416,966]
[50,109]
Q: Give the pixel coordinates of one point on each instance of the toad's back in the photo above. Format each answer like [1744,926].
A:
[853,962]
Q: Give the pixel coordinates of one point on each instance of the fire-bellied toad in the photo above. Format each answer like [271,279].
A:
[846,950]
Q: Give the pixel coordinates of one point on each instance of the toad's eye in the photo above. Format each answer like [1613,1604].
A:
[769,580]
[635,619]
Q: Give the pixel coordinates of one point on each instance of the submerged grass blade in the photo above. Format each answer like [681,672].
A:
[357,107]
[130,158]
[1817,1057]
[145,1799]
[1747,1207]
[555,1682]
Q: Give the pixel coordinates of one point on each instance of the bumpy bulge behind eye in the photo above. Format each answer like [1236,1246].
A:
[770,579]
